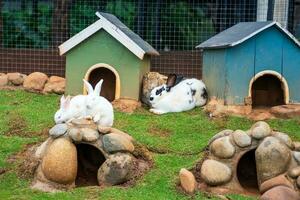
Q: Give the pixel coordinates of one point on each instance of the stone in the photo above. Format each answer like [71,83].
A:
[260,130]
[298,182]
[294,172]
[116,169]
[276,181]
[223,133]
[83,123]
[296,146]
[215,173]
[296,155]
[89,135]
[3,79]
[222,147]
[16,78]
[75,134]
[150,81]
[126,105]
[41,150]
[60,162]
[114,142]
[241,138]
[280,193]
[187,180]
[286,111]
[58,130]
[284,138]
[35,81]
[117,131]
[272,158]
[56,85]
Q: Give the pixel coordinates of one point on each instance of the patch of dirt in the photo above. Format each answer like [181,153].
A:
[16,124]
[155,130]
[26,161]
[141,152]
[17,127]
[2,171]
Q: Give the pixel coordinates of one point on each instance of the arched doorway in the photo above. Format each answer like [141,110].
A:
[89,160]
[268,88]
[246,172]
[111,80]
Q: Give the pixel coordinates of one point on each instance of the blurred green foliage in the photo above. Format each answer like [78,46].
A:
[176,25]
[25,28]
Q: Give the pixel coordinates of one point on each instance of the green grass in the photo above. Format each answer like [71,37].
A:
[176,141]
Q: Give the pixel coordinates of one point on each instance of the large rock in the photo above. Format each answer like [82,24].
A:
[260,130]
[58,130]
[89,135]
[116,169]
[286,111]
[222,147]
[284,138]
[126,105]
[60,162]
[3,79]
[75,134]
[241,138]
[280,193]
[215,173]
[35,81]
[56,85]
[294,172]
[276,181]
[150,81]
[296,155]
[223,133]
[187,180]
[16,78]
[272,158]
[114,142]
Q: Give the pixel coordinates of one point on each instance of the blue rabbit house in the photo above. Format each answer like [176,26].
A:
[256,62]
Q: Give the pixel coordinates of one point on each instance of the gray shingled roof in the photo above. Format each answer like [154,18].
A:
[134,37]
[239,33]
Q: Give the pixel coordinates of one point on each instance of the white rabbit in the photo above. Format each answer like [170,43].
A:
[70,109]
[182,97]
[98,107]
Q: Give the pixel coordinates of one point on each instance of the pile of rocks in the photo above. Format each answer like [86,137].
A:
[118,159]
[276,160]
[37,82]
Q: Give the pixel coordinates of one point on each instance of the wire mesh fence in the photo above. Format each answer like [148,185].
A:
[31,30]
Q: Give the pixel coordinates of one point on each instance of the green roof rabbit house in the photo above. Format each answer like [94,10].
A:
[107,50]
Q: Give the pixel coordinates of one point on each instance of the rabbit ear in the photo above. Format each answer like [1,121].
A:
[88,87]
[62,100]
[66,102]
[98,87]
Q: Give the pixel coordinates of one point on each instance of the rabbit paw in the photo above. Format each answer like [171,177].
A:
[155,111]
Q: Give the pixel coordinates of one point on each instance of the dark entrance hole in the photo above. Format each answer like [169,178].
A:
[89,160]
[267,91]
[109,82]
[246,172]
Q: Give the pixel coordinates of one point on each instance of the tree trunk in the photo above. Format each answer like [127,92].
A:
[60,25]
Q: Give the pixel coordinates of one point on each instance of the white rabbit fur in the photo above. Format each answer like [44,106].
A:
[70,108]
[98,107]
[86,106]
[182,97]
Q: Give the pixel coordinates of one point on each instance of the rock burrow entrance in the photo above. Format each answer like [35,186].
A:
[246,172]
[109,82]
[267,91]
[89,160]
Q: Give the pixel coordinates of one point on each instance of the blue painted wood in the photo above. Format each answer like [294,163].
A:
[269,50]
[213,72]
[227,71]
[240,70]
